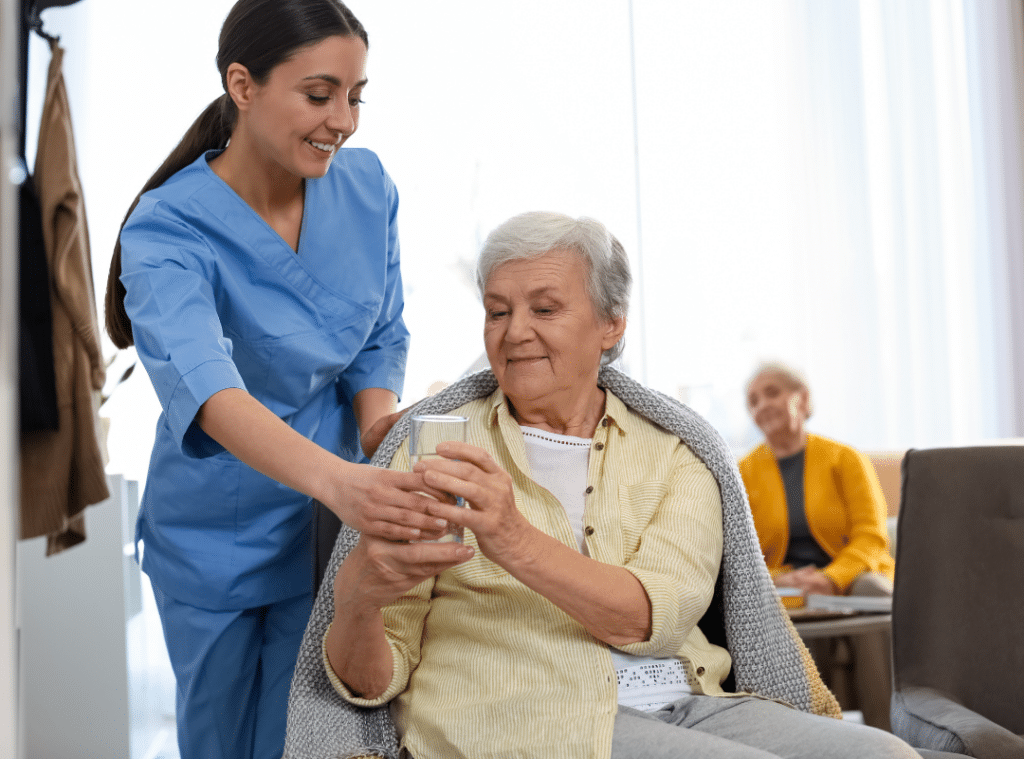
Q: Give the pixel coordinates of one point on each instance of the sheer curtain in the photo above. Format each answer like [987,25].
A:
[995,33]
[837,185]
[912,247]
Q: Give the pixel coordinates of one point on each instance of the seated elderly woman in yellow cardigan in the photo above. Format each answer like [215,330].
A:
[820,518]
[817,505]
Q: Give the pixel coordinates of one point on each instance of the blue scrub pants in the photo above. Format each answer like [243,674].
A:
[233,672]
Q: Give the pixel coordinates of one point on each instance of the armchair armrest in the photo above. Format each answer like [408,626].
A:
[927,719]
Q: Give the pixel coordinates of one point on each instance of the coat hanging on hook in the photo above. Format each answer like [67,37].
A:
[62,469]
[38,403]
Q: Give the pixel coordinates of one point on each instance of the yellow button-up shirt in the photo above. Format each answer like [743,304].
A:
[486,667]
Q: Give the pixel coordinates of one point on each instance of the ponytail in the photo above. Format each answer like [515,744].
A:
[210,131]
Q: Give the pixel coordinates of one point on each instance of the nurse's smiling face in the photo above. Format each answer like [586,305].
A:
[307,107]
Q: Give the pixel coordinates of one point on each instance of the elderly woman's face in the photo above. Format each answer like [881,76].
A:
[541,332]
[775,405]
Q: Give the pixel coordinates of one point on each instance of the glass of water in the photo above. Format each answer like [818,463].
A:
[425,432]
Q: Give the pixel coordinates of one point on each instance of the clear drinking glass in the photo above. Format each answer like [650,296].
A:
[425,432]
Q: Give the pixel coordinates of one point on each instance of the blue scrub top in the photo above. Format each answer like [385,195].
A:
[218,299]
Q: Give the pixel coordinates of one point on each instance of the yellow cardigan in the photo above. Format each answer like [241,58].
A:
[842,499]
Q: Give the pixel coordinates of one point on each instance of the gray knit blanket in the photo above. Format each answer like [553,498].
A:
[768,656]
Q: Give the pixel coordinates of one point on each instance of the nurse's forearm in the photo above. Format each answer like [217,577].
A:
[384,503]
[371,404]
[374,409]
[257,437]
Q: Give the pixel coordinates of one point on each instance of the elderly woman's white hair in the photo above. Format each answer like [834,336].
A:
[535,233]
[793,378]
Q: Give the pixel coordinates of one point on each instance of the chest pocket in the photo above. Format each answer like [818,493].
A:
[639,503]
[309,352]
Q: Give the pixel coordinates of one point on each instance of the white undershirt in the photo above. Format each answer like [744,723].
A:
[560,464]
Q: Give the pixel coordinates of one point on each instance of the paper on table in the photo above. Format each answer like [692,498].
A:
[784,592]
[852,603]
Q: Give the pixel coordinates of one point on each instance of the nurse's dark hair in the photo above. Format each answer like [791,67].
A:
[259,34]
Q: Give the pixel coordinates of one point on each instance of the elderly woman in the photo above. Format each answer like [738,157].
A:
[568,624]
[820,516]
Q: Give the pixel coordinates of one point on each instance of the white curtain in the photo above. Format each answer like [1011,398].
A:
[995,33]
[913,244]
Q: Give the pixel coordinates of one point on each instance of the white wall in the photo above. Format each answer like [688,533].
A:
[74,609]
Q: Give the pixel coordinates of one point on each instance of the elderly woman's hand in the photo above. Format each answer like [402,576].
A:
[501,531]
[808,580]
[378,571]
[375,573]
[609,601]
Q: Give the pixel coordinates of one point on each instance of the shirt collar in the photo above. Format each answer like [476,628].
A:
[615,411]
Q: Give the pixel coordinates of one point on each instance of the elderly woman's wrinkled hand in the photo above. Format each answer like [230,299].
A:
[808,580]
[380,571]
[469,472]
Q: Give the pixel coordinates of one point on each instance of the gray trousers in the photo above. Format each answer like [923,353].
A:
[712,727]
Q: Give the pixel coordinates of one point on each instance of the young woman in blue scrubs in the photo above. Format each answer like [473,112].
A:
[257,275]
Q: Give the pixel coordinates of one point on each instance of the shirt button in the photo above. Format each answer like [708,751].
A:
[589,531]
[589,490]
[604,422]
[700,670]
[599,446]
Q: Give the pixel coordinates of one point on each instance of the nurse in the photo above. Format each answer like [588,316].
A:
[257,275]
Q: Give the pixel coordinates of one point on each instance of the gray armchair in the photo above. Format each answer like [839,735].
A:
[958,605]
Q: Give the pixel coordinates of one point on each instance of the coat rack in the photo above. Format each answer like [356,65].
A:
[33,20]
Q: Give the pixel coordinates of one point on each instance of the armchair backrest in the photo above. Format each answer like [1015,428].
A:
[958,605]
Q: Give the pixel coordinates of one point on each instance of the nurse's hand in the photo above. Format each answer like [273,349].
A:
[374,436]
[384,503]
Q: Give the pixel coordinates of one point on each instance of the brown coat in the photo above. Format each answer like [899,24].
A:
[62,471]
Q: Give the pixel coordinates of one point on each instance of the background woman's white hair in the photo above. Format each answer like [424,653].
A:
[535,233]
[793,378]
